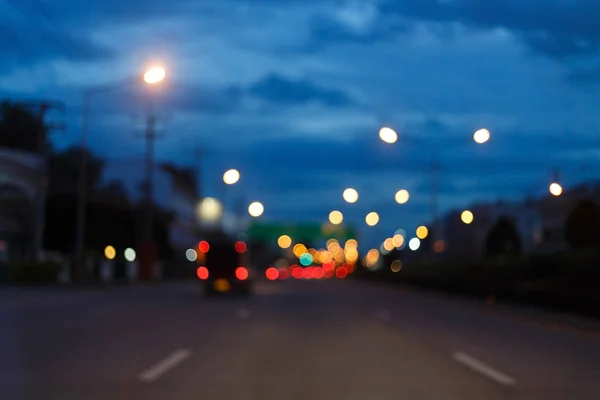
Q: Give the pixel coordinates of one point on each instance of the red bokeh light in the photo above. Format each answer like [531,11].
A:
[329,273]
[309,273]
[297,272]
[328,266]
[283,274]
[318,272]
[272,273]
[341,272]
[240,247]
[202,273]
[241,273]
[203,246]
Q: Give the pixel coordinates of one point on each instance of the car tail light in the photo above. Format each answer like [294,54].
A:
[272,273]
[203,246]
[240,247]
[241,273]
[202,273]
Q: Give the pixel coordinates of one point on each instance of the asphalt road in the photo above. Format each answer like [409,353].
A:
[293,340]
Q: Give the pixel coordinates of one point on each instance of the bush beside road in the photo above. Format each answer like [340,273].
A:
[568,281]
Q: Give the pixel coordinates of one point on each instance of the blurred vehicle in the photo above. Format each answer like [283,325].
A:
[226,269]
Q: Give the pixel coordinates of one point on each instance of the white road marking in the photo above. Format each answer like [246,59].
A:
[162,367]
[242,313]
[484,369]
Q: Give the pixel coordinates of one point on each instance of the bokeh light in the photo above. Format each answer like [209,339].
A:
[350,195]
[439,246]
[402,196]
[284,241]
[209,210]
[306,259]
[155,75]
[398,240]
[467,217]
[481,136]
[129,254]
[351,243]
[555,189]
[372,219]
[396,266]
[231,176]
[256,209]
[388,244]
[422,232]
[240,247]
[191,255]
[272,273]
[336,217]
[388,135]
[241,273]
[203,246]
[202,273]
[299,249]
[371,258]
[110,253]
[414,244]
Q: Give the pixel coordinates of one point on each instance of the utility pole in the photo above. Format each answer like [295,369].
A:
[41,109]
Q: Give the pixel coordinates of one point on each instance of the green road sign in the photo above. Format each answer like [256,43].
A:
[303,233]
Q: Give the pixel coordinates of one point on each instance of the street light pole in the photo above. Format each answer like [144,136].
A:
[81,189]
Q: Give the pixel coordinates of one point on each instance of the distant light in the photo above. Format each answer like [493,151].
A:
[398,240]
[209,210]
[202,273]
[284,241]
[256,209]
[231,176]
[555,189]
[422,232]
[336,217]
[351,244]
[350,195]
[388,135]
[203,246]
[439,246]
[110,253]
[191,255]
[299,249]
[481,136]
[155,75]
[306,259]
[467,217]
[371,258]
[272,273]
[414,244]
[402,196]
[396,266]
[372,219]
[388,244]
[130,254]
[240,247]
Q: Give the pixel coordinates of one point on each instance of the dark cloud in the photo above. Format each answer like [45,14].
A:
[276,88]
[559,29]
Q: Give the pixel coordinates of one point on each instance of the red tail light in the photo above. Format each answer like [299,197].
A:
[203,246]
[240,247]
[272,273]
[341,272]
[297,272]
[202,273]
[241,273]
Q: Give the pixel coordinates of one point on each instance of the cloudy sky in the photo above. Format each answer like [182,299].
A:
[293,92]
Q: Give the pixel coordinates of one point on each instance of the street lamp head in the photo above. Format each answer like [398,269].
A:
[388,135]
[555,189]
[231,176]
[256,209]
[155,75]
[350,195]
[481,136]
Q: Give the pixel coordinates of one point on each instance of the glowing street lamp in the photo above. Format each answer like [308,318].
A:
[231,176]
[481,136]
[402,196]
[388,135]
[155,75]
[350,195]
[467,217]
[555,189]
[372,219]
[336,217]
[256,209]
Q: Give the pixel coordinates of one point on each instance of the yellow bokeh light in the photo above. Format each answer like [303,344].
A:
[351,255]
[555,189]
[402,196]
[284,241]
[110,252]
[336,217]
[398,240]
[325,256]
[351,243]
[332,244]
[466,217]
[350,195]
[481,136]
[372,219]
[422,232]
[388,135]
[388,244]
[299,249]
[371,258]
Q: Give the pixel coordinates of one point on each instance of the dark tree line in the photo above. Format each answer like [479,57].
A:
[111,217]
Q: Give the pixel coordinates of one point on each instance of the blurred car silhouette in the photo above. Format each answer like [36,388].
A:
[226,268]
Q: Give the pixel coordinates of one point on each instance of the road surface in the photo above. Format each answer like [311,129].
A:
[293,340]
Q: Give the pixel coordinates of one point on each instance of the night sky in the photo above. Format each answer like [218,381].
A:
[293,92]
